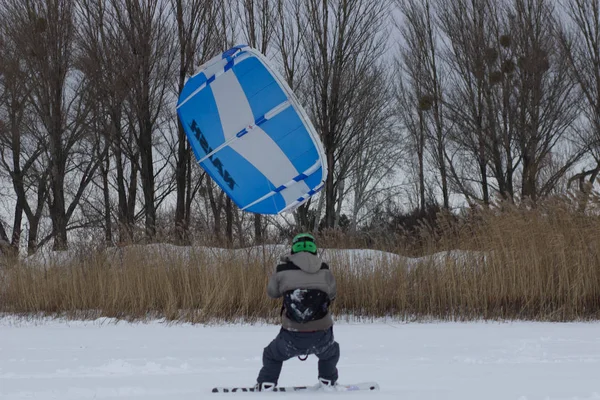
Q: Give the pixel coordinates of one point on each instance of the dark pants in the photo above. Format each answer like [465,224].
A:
[290,344]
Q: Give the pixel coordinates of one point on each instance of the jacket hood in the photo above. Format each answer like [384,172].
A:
[307,262]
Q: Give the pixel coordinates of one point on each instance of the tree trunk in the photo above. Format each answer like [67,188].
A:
[182,152]
[34,218]
[32,236]
[483,172]
[122,220]
[131,199]
[216,206]
[181,226]
[106,192]
[528,188]
[338,209]
[586,188]
[188,197]
[147,175]
[229,221]
[258,228]
[57,202]
[444,175]
[240,228]
[329,190]
[17,230]
[420,155]
[3,236]
[6,248]
[303,217]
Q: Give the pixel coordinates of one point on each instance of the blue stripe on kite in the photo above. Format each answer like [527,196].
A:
[261,89]
[285,126]
[293,139]
[260,120]
[248,68]
[229,53]
[203,108]
[267,206]
[279,189]
[315,178]
[229,65]
[192,84]
[210,80]
[310,193]
[300,177]
[241,133]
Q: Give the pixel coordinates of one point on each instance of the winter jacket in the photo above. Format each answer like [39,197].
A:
[307,287]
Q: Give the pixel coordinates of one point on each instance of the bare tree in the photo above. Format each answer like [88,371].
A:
[413,97]
[229,221]
[344,40]
[215,197]
[377,151]
[149,37]
[197,40]
[580,44]
[547,102]
[257,22]
[422,63]
[227,33]
[102,58]
[465,24]
[57,88]
[512,102]
[20,149]
[258,28]
[290,29]
[486,68]
[227,25]
[411,115]
[4,244]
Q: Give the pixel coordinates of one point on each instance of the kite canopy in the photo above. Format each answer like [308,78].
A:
[250,133]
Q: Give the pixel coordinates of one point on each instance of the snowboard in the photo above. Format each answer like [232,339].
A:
[369,386]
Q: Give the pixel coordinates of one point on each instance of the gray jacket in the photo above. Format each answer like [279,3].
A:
[302,271]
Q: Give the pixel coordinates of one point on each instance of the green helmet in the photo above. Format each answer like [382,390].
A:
[304,242]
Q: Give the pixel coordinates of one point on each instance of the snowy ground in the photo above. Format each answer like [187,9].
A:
[449,361]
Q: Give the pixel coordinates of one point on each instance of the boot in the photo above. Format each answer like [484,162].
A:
[327,384]
[264,387]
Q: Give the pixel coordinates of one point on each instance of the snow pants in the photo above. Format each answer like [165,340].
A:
[290,344]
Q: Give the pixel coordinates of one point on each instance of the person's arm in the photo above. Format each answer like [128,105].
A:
[332,287]
[273,286]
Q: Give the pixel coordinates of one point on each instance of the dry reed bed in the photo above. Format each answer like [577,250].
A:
[532,265]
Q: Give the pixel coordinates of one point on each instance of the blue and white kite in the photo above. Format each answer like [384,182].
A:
[250,133]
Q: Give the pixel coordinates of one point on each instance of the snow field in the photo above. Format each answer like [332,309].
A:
[106,359]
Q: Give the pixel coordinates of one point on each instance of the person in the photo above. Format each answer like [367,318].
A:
[307,287]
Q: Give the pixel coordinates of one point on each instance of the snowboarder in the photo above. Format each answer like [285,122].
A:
[308,288]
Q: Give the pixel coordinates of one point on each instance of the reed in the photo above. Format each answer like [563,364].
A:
[511,263]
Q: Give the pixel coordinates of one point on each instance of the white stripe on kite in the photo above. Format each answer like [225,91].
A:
[270,114]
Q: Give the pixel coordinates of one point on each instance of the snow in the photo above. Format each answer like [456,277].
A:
[268,253]
[298,295]
[108,359]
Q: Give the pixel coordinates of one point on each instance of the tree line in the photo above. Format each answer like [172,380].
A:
[456,103]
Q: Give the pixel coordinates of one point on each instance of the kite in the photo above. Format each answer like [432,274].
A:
[249,132]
